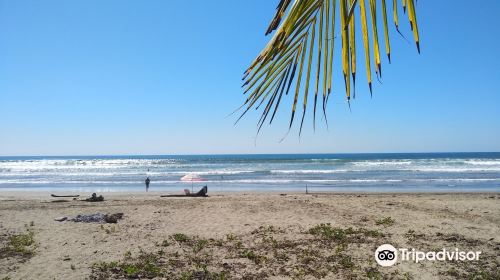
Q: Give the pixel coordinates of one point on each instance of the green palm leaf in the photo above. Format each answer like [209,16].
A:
[303,43]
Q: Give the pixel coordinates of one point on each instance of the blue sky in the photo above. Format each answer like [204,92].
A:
[160,77]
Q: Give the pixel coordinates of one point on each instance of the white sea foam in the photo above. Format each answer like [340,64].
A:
[383,163]
[483,162]
[313,171]
[240,172]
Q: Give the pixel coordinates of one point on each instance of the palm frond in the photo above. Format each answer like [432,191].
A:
[303,44]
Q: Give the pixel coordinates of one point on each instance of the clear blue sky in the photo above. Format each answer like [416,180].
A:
[160,77]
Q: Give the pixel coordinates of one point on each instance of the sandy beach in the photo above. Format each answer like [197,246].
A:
[247,236]
[249,140]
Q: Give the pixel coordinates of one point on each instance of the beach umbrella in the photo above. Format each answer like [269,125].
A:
[192,177]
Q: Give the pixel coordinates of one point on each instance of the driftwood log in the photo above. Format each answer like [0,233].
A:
[55,195]
[202,193]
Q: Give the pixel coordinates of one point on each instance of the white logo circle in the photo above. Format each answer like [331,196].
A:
[386,255]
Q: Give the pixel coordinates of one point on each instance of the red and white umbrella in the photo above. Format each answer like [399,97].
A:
[192,177]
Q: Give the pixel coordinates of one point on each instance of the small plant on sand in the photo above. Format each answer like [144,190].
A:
[407,276]
[218,242]
[238,244]
[145,265]
[484,274]
[128,254]
[165,243]
[231,237]
[199,245]
[130,270]
[387,221]
[372,233]
[204,274]
[308,256]
[267,230]
[21,245]
[251,255]
[180,237]
[298,273]
[248,254]
[411,235]
[346,262]
[326,231]
[271,241]
[341,248]
[186,275]
[373,273]
[21,242]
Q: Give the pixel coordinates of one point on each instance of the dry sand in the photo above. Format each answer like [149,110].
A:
[236,223]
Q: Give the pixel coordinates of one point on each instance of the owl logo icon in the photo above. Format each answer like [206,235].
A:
[386,255]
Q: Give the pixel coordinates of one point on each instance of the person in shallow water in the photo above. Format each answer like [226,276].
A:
[147,183]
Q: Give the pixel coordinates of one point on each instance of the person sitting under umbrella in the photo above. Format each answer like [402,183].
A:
[202,192]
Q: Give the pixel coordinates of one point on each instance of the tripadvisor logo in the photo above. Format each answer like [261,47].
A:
[387,255]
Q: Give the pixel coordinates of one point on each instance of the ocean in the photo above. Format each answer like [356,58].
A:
[422,172]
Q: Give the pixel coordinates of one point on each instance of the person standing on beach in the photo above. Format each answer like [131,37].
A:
[147,183]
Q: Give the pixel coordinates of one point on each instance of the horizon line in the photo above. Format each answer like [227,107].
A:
[242,154]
